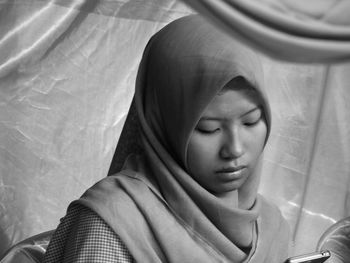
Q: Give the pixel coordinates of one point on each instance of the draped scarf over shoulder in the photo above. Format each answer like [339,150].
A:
[160,212]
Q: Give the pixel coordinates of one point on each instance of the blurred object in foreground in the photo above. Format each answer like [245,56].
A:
[337,240]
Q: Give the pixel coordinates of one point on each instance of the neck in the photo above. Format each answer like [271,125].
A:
[230,198]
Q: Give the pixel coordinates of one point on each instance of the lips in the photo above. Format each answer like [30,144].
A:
[231,173]
[231,169]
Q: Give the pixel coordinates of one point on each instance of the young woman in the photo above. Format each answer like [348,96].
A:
[191,195]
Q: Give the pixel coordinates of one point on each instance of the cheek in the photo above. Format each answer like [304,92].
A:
[257,141]
[201,153]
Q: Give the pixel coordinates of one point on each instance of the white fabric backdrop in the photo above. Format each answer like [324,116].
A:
[67,72]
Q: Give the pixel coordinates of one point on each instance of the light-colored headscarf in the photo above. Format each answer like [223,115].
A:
[160,212]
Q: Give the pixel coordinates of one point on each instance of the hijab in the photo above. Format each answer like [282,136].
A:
[159,211]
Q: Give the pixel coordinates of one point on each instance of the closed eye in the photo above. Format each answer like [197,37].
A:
[207,131]
[251,123]
[252,118]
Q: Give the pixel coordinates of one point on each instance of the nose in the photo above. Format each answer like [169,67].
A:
[232,146]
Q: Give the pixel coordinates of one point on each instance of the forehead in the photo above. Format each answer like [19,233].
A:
[232,102]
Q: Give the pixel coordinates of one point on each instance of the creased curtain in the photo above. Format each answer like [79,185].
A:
[67,73]
[300,31]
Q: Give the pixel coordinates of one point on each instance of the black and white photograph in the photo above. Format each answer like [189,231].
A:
[175,131]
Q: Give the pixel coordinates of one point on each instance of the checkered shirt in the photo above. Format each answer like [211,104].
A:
[83,236]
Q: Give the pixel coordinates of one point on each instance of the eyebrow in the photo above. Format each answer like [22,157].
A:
[220,119]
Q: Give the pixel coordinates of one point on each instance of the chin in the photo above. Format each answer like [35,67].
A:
[227,187]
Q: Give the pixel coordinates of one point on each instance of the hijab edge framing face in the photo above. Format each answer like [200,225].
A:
[178,78]
[225,147]
[184,66]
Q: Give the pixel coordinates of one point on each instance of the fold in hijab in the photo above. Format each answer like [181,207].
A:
[159,211]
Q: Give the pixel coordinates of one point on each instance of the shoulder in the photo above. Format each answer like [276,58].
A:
[123,181]
[83,236]
[120,201]
[119,191]
[92,234]
[271,216]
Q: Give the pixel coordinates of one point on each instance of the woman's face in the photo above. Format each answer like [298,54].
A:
[226,144]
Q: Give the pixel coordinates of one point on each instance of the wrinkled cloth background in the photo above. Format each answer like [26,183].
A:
[67,73]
